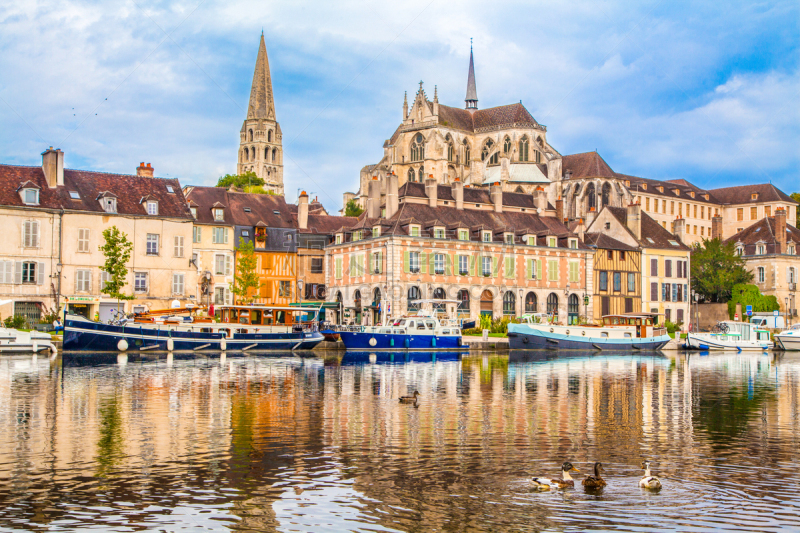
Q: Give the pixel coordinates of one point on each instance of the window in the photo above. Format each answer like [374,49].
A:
[414,231]
[761,275]
[740,213]
[219,214]
[284,289]
[83,240]
[411,175]
[222,265]
[466,153]
[631,283]
[356,236]
[140,282]
[647,204]
[695,210]
[438,264]
[178,249]
[376,231]
[338,239]
[760,249]
[463,265]
[552,270]
[463,300]
[617,281]
[531,302]
[523,149]
[219,235]
[791,278]
[450,152]
[675,293]
[671,208]
[177,283]
[573,243]
[220,296]
[610,255]
[486,266]
[703,211]
[509,237]
[28,272]
[152,244]
[506,145]
[487,148]
[574,274]
[654,267]
[552,304]
[104,279]
[667,268]
[194,211]
[753,213]
[170,189]
[654,292]
[418,149]
[463,235]
[316,265]
[438,233]
[337,273]
[30,234]
[152,207]
[531,240]
[487,236]
[702,231]
[196,234]
[413,262]
[622,255]
[30,196]
[603,280]
[552,242]
[509,303]
[75,195]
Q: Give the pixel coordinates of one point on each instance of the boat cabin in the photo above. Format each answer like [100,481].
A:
[643,322]
[257,315]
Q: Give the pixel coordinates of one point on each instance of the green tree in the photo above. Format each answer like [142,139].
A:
[352,209]
[117,250]
[248,182]
[750,295]
[796,197]
[245,277]
[716,269]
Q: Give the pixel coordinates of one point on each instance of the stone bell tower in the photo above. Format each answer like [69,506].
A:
[260,144]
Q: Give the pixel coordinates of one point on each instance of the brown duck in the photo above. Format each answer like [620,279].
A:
[596,481]
[410,399]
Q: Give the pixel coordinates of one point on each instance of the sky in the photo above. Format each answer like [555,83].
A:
[661,89]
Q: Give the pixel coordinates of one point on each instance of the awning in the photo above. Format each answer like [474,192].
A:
[318,305]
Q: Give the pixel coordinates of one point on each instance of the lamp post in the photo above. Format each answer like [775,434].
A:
[786,313]
[566,297]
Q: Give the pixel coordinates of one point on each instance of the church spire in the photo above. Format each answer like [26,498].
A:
[262,104]
[472,92]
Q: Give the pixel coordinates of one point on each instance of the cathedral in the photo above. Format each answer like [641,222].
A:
[260,139]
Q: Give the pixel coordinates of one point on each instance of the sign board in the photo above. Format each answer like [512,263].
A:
[388,308]
[749,311]
[736,316]
[775,312]
[585,300]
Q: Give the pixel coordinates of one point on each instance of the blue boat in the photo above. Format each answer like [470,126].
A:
[634,331]
[243,328]
[423,331]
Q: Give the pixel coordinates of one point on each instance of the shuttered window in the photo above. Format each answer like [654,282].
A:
[178,246]
[667,268]
[219,236]
[463,265]
[552,270]
[509,266]
[83,280]
[7,272]
[574,274]
[197,233]
[654,267]
[30,234]
[654,292]
[338,268]
[219,265]
[177,283]
[83,240]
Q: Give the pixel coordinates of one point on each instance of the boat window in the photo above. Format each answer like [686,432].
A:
[400,323]
[244,319]
[255,316]
[227,332]
[604,334]
[430,324]
[234,314]
[420,325]
[241,330]
[445,332]
[627,335]
[410,323]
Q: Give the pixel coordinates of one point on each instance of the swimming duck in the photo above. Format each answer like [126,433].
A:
[596,481]
[410,399]
[566,481]
[648,481]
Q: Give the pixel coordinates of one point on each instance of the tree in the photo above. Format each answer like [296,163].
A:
[796,197]
[716,269]
[248,182]
[352,209]
[245,277]
[117,250]
[751,295]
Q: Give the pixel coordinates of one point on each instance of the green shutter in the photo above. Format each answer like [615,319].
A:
[509,266]
[471,261]
[423,263]
[338,272]
[380,262]
[529,272]
[538,269]
[406,267]
[448,264]
[431,261]
[494,267]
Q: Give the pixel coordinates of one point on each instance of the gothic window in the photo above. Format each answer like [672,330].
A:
[274,154]
[523,149]
[538,156]
[485,152]
[251,135]
[606,194]
[466,153]
[507,146]
[269,136]
[591,197]
[450,152]
[509,303]
[247,154]
[421,174]
[411,175]
[418,148]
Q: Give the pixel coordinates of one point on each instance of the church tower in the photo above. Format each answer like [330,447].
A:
[472,92]
[260,144]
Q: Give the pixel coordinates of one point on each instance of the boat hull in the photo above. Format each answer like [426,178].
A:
[81,335]
[789,343]
[356,340]
[521,337]
[707,342]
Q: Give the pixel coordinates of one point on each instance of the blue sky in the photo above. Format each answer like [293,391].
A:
[660,89]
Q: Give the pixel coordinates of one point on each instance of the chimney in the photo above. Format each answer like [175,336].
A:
[144,171]
[458,193]
[496,194]
[560,210]
[679,228]
[581,229]
[780,230]
[374,198]
[431,190]
[391,195]
[590,216]
[716,227]
[53,167]
[541,200]
[302,211]
[635,220]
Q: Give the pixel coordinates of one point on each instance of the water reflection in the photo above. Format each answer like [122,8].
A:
[263,443]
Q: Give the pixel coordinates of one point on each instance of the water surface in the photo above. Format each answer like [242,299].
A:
[284,443]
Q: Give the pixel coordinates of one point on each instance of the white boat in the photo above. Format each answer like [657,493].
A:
[15,341]
[789,339]
[740,336]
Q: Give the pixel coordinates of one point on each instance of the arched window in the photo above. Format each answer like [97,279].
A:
[438,294]
[523,148]
[487,148]
[450,152]
[573,305]
[357,299]
[411,175]
[606,194]
[251,135]
[466,152]
[418,148]
[531,302]
[376,296]
[269,136]
[538,156]
[552,304]
[463,301]
[506,146]
[266,154]
[241,156]
[274,154]
[414,295]
[591,197]
[739,250]
[509,303]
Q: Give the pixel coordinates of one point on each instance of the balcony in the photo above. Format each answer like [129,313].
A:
[793,286]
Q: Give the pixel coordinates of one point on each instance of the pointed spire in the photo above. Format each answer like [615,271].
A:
[405,105]
[262,104]
[472,92]
[435,100]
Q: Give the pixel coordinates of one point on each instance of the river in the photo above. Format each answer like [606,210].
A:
[288,443]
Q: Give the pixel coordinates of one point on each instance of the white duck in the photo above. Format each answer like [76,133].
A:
[649,481]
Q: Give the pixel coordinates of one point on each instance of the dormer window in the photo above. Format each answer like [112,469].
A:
[509,238]
[531,240]
[152,207]
[660,188]
[739,250]
[109,205]
[754,196]
[627,183]
[413,231]
[486,236]
[691,193]
[170,189]
[790,249]
[644,186]
[219,214]
[706,197]
[760,249]
[573,243]
[75,195]
[376,231]
[338,239]
[552,242]
[356,236]
[677,192]
[30,196]
[194,211]
[438,233]
[463,235]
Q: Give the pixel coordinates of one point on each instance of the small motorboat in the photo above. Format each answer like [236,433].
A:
[15,341]
[731,335]
[634,331]
[789,339]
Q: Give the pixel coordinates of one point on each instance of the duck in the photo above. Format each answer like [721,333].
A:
[566,481]
[648,481]
[596,481]
[410,399]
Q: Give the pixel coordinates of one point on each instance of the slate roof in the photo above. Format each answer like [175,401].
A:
[603,241]
[328,224]
[763,232]
[650,230]
[128,189]
[767,192]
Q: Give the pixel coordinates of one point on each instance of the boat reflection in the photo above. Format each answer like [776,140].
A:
[384,358]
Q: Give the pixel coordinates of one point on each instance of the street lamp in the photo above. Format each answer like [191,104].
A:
[786,313]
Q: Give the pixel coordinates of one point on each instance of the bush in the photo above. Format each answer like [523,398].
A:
[750,295]
[14,322]
[48,315]
[672,327]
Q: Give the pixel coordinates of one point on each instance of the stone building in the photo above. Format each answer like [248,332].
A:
[260,139]
[54,219]
[497,253]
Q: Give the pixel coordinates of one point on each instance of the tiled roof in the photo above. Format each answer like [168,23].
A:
[603,241]
[327,225]
[767,192]
[486,119]
[271,210]
[763,232]
[128,189]
[472,195]
[586,165]
[654,235]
